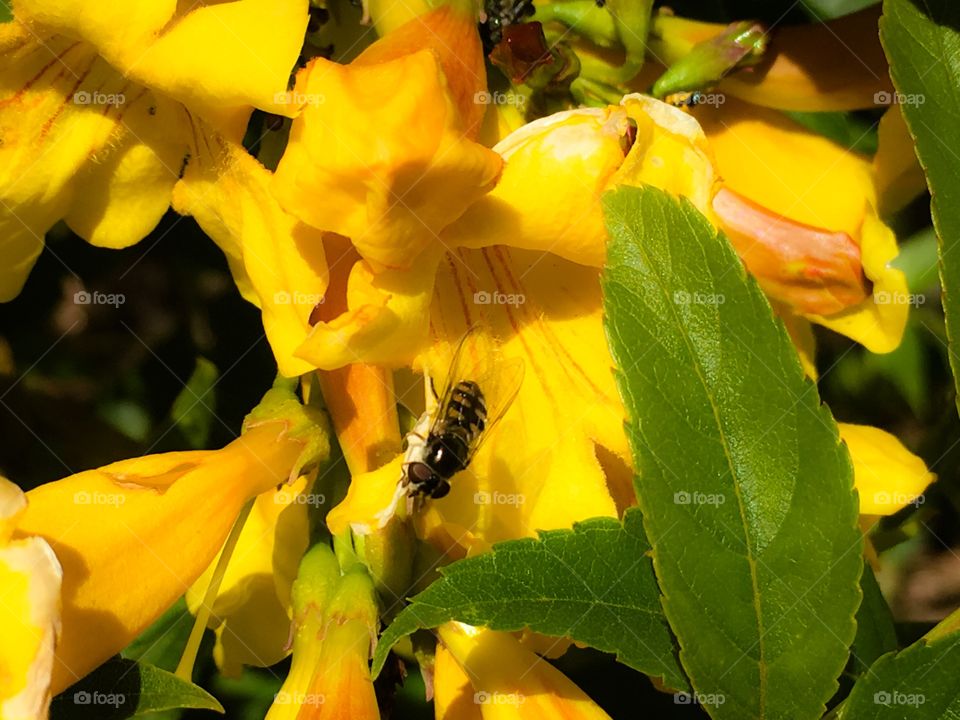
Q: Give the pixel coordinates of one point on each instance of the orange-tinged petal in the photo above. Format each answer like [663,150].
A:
[450,31]
[386,318]
[387,169]
[888,477]
[131,545]
[812,270]
[806,178]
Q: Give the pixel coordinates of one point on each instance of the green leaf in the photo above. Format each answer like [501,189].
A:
[876,635]
[593,584]
[922,42]
[746,492]
[195,407]
[122,688]
[919,683]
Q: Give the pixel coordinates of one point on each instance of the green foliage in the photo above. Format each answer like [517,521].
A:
[918,683]
[593,584]
[922,41]
[122,688]
[746,493]
[194,409]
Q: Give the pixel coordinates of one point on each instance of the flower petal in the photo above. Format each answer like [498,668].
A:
[30,578]
[386,317]
[887,475]
[557,167]
[219,59]
[566,420]
[215,58]
[512,682]
[802,176]
[387,169]
[278,261]
[131,545]
[79,140]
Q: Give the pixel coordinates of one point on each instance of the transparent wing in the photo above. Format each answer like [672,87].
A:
[478,358]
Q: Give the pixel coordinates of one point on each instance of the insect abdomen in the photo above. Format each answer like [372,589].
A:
[467,408]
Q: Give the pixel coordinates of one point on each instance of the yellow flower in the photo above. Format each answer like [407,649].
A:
[180,506]
[382,152]
[567,420]
[490,675]
[30,578]
[335,622]
[888,477]
[800,190]
[101,105]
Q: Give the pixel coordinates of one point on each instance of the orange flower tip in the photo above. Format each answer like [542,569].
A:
[810,269]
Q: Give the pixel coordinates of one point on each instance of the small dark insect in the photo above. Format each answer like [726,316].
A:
[499,14]
[446,438]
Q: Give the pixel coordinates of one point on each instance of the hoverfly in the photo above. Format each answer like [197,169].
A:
[478,390]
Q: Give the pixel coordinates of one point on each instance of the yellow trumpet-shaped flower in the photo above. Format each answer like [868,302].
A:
[335,619]
[382,152]
[133,536]
[802,213]
[101,106]
[30,579]
[490,675]
[533,302]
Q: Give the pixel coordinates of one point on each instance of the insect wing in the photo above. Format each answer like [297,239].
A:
[477,358]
